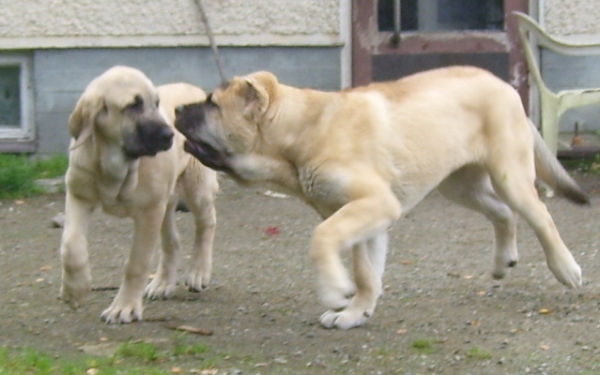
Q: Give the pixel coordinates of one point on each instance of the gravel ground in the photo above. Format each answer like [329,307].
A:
[441,312]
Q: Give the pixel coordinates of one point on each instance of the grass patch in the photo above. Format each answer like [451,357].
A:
[189,349]
[588,164]
[477,353]
[18,174]
[17,177]
[140,350]
[424,346]
[33,362]
[51,167]
[131,358]
[421,344]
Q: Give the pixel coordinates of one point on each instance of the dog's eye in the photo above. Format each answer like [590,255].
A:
[157,102]
[138,103]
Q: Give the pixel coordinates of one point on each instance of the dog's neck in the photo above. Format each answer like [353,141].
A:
[291,119]
[281,156]
[118,173]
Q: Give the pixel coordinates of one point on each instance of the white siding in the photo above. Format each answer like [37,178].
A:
[93,23]
[572,17]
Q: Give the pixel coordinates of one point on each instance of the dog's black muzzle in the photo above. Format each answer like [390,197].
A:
[148,139]
[189,119]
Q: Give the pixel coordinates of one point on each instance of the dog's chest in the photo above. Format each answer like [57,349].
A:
[115,208]
[117,195]
[325,193]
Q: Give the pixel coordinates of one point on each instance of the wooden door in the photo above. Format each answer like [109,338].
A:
[436,33]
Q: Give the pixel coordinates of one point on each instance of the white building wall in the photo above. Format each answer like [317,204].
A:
[118,23]
[571,17]
[69,42]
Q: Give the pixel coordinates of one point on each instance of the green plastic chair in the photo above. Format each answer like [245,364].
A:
[554,104]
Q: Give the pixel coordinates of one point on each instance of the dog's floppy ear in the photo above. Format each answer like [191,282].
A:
[259,93]
[81,121]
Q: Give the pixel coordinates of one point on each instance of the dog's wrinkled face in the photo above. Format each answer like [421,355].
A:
[122,107]
[136,120]
[226,125]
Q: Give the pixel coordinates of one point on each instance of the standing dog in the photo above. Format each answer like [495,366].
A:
[127,158]
[365,156]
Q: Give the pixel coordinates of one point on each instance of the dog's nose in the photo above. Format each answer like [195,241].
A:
[165,132]
[178,110]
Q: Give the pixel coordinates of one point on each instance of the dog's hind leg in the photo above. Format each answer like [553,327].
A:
[513,180]
[471,187]
[76,273]
[165,280]
[200,191]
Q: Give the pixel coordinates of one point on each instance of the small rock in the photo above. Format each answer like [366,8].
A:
[274,194]
[58,221]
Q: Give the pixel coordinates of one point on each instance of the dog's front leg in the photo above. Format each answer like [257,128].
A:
[127,305]
[357,224]
[76,274]
[369,263]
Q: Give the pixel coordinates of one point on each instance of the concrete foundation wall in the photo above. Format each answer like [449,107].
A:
[61,75]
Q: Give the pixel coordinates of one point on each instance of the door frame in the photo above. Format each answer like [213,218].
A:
[368,41]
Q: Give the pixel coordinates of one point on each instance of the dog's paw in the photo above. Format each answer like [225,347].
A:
[567,272]
[160,288]
[74,289]
[197,281]
[503,262]
[500,270]
[122,313]
[337,298]
[344,319]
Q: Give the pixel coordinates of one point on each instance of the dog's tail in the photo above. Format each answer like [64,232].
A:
[550,171]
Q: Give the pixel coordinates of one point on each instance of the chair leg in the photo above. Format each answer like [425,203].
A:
[550,124]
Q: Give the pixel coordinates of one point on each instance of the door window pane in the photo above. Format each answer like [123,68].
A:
[442,15]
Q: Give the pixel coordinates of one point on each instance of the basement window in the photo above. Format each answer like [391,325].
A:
[16,104]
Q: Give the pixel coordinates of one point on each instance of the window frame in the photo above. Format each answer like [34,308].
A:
[21,138]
